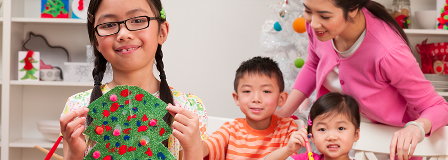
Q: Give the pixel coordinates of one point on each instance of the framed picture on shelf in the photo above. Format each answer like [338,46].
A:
[28,65]
[54,9]
[79,8]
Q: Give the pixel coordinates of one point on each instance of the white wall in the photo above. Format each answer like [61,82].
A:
[208,40]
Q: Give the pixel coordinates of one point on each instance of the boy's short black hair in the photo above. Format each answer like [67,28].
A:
[262,66]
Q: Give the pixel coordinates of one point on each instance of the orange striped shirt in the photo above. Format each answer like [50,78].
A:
[237,140]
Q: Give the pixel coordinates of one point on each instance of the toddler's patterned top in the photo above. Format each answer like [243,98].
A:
[188,101]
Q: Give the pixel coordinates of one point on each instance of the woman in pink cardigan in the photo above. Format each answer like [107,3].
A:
[357,48]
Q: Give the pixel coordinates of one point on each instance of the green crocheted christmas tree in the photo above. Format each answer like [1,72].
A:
[127,124]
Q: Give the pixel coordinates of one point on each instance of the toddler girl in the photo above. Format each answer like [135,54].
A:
[333,125]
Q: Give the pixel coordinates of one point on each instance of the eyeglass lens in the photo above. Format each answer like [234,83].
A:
[132,24]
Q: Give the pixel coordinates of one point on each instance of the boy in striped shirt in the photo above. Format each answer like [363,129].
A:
[258,88]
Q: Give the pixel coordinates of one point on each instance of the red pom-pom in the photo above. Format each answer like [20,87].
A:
[99,130]
[153,122]
[113,98]
[142,142]
[96,154]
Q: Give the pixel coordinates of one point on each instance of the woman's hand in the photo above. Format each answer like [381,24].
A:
[186,130]
[402,139]
[71,130]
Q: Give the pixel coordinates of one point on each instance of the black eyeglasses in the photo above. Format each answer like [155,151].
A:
[132,24]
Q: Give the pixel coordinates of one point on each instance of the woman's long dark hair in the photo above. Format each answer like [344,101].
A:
[376,9]
[100,61]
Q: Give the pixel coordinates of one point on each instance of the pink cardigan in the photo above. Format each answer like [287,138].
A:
[382,75]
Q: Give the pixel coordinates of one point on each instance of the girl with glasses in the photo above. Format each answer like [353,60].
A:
[129,35]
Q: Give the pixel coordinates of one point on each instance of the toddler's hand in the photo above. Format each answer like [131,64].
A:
[297,140]
[186,128]
[72,129]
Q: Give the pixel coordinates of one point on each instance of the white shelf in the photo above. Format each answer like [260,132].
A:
[49,20]
[443,94]
[426,32]
[51,83]
[31,142]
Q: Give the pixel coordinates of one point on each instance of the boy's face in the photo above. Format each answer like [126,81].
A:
[258,97]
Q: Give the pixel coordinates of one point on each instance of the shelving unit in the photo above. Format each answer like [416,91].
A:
[31,142]
[51,83]
[23,103]
[48,20]
[428,32]
[444,94]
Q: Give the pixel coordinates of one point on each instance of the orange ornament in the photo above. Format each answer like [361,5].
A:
[143,142]
[299,25]
[99,130]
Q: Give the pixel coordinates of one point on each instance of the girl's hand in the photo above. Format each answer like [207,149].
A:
[297,140]
[186,130]
[402,139]
[72,129]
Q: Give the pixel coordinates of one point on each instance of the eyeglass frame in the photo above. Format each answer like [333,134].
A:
[124,22]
